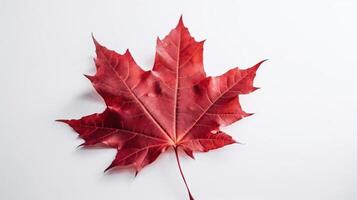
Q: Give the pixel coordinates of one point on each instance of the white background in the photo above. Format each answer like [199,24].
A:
[300,144]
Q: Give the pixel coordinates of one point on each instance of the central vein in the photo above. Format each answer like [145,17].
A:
[177,87]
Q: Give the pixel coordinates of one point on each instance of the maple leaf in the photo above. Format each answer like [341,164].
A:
[174,105]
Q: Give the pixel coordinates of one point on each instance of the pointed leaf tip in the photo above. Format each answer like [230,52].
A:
[189,153]
[261,62]
[249,114]
[108,168]
[127,52]
[255,88]
[256,66]
[95,41]
[89,77]
[62,120]
[180,23]
[93,38]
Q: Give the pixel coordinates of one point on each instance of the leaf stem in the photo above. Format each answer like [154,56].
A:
[183,177]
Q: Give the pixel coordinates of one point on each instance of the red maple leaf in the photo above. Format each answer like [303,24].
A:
[174,105]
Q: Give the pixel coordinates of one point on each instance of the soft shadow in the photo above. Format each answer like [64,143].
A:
[120,170]
[91,95]
[123,175]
